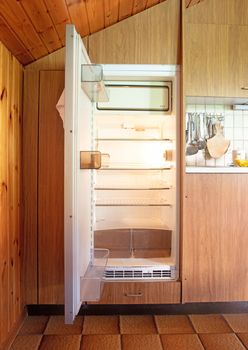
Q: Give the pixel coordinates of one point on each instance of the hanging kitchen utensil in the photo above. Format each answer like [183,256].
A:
[201,142]
[191,146]
[217,145]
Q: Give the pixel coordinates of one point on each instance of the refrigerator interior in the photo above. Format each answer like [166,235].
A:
[135,201]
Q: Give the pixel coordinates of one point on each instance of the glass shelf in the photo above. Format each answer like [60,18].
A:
[134,167]
[132,205]
[92,82]
[134,139]
[131,189]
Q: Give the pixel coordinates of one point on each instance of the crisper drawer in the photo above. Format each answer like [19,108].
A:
[141,293]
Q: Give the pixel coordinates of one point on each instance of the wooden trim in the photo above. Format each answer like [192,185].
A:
[155,309]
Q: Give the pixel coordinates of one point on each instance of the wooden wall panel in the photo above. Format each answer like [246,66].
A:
[11,238]
[215,238]
[50,191]
[149,37]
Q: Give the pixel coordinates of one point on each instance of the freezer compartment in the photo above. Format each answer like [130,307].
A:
[134,243]
[91,283]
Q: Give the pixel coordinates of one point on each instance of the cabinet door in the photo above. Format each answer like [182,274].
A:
[77,183]
[215,238]
[206,60]
[216,61]
[50,191]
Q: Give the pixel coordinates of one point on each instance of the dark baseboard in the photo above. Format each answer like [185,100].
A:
[169,309]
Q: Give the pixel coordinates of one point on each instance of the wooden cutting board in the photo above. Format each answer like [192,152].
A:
[218,145]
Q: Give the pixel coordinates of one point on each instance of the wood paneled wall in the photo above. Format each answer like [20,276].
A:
[151,37]
[11,238]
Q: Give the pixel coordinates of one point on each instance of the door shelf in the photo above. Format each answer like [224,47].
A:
[91,283]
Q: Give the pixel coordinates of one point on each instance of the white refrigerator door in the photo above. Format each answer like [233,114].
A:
[78,183]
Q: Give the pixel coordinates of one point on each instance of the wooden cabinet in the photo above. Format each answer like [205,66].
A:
[141,293]
[215,50]
[150,37]
[215,238]
[43,187]
[50,190]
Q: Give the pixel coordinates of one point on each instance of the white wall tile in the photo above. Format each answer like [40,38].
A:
[228,121]
[245,130]
[238,145]
[238,121]
[245,121]
[238,134]
[228,133]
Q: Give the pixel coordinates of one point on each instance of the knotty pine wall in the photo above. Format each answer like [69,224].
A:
[11,247]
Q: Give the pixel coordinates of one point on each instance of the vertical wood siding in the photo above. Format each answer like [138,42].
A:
[11,301]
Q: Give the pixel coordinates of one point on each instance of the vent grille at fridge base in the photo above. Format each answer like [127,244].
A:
[140,273]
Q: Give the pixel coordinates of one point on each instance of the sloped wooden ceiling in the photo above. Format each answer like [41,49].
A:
[31,29]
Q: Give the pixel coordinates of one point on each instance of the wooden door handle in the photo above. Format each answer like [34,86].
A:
[132,295]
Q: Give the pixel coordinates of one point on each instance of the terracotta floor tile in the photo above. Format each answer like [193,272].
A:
[24,342]
[244,338]
[171,324]
[210,324]
[221,342]
[238,322]
[101,325]
[60,342]
[34,325]
[181,342]
[101,342]
[141,342]
[56,325]
[137,325]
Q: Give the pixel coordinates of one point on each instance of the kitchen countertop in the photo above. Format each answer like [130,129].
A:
[216,170]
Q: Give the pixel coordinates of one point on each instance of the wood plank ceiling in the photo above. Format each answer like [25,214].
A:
[31,29]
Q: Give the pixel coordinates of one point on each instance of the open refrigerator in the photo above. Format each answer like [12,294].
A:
[121,174]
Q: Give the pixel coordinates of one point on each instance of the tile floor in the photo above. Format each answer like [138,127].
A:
[168,332]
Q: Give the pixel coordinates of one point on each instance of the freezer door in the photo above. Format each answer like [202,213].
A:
[78,183]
